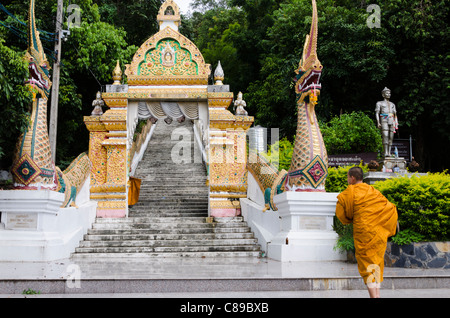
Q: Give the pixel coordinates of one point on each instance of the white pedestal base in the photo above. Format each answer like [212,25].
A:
[306,228]
[35,228]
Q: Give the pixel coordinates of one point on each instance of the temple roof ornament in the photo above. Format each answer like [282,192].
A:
[168,57]
[117,74]
[169,15]
[219,75]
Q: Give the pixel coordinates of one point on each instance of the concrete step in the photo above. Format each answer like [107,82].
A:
[205,272]
[169,243]
[162,212]
[170,214]
[182,254]
[126,226]
[172,207]
[153,220]
[179,230]
[168,249]
[164,204]
[170,236]
[152,196]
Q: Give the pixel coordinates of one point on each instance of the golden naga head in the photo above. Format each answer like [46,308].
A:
[310,68]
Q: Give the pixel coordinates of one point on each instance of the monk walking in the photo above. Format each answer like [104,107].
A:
[374,219]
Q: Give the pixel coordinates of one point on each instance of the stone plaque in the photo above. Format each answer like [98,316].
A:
[313,223]
[351,159]
[21,221]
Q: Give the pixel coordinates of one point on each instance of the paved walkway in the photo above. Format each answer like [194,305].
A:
[212,278]
[385,293]
[190,268]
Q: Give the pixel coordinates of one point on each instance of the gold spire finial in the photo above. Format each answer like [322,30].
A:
[219,75]
[117,74]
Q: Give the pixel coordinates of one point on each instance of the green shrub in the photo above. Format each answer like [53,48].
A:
[407,237]
[351,133]
[337,178]
[284,148]
[345,239]
[423,203]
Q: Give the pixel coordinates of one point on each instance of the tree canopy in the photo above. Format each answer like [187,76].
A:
[259,44]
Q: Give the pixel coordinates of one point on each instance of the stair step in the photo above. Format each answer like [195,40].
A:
[168,243]
[166,249]
[169,236]
[124,226]
[184,230]
[184,254]
[169,214]
[143,212]
[174,220]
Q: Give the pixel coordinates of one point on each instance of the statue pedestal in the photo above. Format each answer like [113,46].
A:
[34,228]
[306,232]
[371,177]
[394,164]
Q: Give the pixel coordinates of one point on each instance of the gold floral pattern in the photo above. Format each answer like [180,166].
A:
[168,59]
[148,68]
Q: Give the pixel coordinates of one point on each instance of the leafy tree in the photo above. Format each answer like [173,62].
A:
[14,102]
[351,133]
[136,18]
[89,57]
[354,58]
[203,6]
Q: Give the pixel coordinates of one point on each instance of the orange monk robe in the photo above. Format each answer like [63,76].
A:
[133,191]
[374,219]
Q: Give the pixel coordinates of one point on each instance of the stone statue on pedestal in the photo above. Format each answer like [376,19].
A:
[239,105]
[386,115]
[387,121]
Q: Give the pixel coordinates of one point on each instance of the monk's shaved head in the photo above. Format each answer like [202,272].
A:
[357,173]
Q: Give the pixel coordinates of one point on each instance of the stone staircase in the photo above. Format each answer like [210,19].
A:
[170,219]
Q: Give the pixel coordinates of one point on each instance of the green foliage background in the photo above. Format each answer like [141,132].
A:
[423,203]
[259,43]
[351,133]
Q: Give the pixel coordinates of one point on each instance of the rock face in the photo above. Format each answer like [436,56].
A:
[418,255]
[170,219]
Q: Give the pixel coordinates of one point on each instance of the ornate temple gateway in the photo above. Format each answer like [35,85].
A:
[167,80]
[287,213]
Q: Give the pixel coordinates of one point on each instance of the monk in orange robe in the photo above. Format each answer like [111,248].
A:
[374,219]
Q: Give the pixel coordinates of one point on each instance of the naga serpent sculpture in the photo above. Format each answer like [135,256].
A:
[33,167]
[309,165]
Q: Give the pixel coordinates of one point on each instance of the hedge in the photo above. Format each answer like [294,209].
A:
[423,203]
